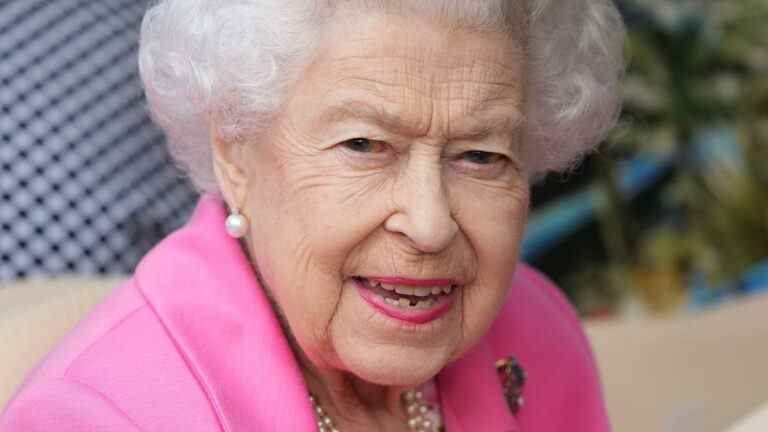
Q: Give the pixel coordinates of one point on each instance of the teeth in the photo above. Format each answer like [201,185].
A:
[406,303]
[412,290]
[416,291]
[424,304]
[423,291]
[405,290]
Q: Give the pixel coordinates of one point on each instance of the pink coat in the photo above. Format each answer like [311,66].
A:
[190,344]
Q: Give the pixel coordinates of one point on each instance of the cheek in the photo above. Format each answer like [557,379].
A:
[494,220]
[302,277]
[494,224]
[305,236]
[284,246]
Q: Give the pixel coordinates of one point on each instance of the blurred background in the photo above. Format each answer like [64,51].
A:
[660,239]
[672,212]
[86,184]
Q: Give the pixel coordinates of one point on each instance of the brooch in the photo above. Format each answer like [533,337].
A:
[512,376]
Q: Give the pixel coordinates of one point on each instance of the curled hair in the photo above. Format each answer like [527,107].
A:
[226,64]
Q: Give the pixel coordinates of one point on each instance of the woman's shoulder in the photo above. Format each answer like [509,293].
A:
[120,355]
[113,312]
[538,326]
[538,319]
[539,300]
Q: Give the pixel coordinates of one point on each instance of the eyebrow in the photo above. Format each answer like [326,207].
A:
[366,112]
[508,121]
[475,126]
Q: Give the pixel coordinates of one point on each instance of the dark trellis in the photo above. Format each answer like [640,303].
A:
[86,184]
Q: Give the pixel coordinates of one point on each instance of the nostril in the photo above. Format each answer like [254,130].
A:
[429,231]
[395,223]
[434,235]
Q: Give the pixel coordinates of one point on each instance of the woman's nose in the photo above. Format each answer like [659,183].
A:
[423,213]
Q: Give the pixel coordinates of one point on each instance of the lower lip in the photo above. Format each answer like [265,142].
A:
[415,316]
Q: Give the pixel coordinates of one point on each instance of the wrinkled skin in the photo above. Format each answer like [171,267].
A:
[436,190]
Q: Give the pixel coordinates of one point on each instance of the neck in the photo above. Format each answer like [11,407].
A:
[350,401]
[346,398]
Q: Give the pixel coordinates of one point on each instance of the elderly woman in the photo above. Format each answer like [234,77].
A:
[352,263]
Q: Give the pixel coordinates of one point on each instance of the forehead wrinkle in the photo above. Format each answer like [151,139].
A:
[494,61]
[397,92]
[428,64]
[477,68]
[480,126]
[379,114]
[477,117]
[380,102]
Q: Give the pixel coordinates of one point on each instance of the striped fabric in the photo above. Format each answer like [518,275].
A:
[86,184]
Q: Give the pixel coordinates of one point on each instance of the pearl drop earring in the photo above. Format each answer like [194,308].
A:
[236,224]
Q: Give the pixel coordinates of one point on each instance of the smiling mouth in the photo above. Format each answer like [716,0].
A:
[413,297]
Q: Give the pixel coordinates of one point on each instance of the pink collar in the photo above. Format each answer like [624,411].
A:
[202,287]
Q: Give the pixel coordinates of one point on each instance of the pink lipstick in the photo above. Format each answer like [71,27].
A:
[416,301]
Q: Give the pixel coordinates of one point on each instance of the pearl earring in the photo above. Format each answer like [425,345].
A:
[236,224]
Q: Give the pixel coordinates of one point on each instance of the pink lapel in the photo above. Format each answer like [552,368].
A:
[203,289]
[471,396]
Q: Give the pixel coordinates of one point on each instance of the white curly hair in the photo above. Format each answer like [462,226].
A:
[226,63]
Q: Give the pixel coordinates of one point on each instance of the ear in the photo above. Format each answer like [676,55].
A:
[230,168]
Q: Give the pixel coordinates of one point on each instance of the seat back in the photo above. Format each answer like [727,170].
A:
[35,314]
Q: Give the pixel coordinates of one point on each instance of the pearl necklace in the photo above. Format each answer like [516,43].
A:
[418,414]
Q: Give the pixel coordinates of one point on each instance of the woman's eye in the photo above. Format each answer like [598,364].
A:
[364,145]
[482,157]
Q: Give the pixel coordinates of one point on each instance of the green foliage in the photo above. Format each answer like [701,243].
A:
[694,67]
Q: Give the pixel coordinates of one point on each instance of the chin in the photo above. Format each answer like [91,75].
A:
[386,351]
[401,367]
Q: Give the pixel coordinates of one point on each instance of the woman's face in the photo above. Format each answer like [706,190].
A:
[393,165]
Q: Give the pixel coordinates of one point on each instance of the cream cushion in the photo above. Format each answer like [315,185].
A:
[757,422]
[34,315]
[697,372]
